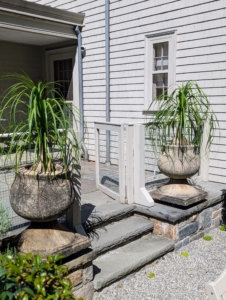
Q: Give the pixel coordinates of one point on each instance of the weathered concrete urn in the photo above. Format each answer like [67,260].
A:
[179,163]
[41,197]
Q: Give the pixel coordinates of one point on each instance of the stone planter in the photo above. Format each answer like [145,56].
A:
[40,198]
[179,164]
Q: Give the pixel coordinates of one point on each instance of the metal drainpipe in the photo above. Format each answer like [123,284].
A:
[107,46]
[79,36]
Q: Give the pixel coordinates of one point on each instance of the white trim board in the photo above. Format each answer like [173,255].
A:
[35,10]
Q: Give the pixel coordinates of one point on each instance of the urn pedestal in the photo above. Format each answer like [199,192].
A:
[179,163]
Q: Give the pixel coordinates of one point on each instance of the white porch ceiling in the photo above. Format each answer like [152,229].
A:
[30,23]
[31,38]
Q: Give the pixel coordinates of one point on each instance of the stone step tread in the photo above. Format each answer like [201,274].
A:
[120,262]
[119,232]
[93,215]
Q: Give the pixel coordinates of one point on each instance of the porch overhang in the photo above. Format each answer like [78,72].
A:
[31,23]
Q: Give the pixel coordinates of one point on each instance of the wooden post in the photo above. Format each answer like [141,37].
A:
[122,183]
[97,154]
[141,195]
[129,164]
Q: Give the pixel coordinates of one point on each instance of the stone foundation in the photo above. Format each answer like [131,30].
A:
[81,274]
[190,228]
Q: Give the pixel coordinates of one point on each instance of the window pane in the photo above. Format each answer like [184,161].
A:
[165,63]
[158,50]
[165,49]
[158,64]
[160,84]
[63,72]
[159,92]
[160,59]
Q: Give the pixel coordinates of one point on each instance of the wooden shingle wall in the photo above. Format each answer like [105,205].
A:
[201,56]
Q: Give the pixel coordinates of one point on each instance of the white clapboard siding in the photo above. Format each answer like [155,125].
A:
[200,56]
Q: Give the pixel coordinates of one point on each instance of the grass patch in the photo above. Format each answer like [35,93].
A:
[207,238]
[185,254]
[151,275]
[222,228]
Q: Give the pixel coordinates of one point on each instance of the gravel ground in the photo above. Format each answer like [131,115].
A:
[176,277]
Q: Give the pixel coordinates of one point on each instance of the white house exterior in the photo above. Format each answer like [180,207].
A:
[194,32]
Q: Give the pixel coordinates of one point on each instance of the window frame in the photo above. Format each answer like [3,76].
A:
[150,40]
[64,53]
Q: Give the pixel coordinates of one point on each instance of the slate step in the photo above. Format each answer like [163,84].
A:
[94,216]
[117,233]
[119,263]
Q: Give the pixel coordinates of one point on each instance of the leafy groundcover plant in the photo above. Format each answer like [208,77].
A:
[39,120]
[181,115]
[27,276]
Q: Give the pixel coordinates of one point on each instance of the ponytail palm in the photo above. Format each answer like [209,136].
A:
[38,120]
[181,116]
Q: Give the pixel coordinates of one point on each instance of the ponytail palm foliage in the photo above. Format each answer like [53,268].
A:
[38,120]
[181,116]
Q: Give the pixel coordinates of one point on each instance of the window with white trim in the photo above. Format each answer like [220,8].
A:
[160,54]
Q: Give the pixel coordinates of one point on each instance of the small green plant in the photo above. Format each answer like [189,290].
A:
[5,222]
[207,238]
[24,277]
[181,114]
[151,275]
[222,228]
[39,120]
[184,253]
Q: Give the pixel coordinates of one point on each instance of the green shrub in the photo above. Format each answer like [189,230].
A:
[185,254]
[8,252]
[207,238]
[24,277]
[151,275]
[5,222]
[222,228]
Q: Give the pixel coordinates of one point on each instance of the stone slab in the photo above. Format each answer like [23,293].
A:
[125,260]
[188,230]
[165,229]
[76,277]
[88,186]
[120,232]
[88,273]
[197,236]
[96,198]
[80,260]
[181,201]
[205,218]
[172,214]
[93,215]
[85,292]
